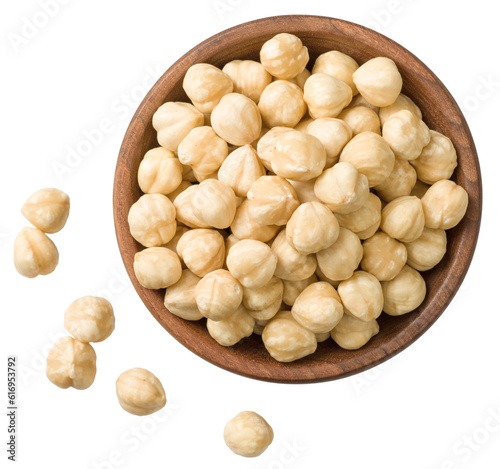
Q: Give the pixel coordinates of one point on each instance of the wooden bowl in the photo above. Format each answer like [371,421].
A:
[440,111]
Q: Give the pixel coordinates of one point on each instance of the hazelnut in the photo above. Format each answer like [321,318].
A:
[352,333]
[249,77]
[361,119]
[230,331]
[47,210]
[333,134]
[284,56]
[337,65]
[180,298]
[267,144]
[248,434]
[183,204]
[300,79]
[383,256]
[402,102]
[293,288]
[358,100]
[263,303]
[304,190]
[214,203]
[172,244]
[427,251]
[160,172]
[325,95]
[403,293]
[157,267]
[399,183]
[244,226]
[364,221]
[403,218]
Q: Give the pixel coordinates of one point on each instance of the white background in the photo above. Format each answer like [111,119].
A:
[433,406]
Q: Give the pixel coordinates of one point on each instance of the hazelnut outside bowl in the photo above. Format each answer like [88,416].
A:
[440,111]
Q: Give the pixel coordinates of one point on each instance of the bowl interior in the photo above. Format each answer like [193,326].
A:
[440,112]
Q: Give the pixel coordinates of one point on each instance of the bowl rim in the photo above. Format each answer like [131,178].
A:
[325,371]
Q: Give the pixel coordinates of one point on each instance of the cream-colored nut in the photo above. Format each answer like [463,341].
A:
[293,288]
[249,77]
[71,363]
[263,132]
[318,308]
[173,121]
[183,204]
[402,102]
[361,119]
[231,330]
[366,218]
[362,296]
[378,81]
[341,259]
[252,263]
[182,187]
[399,183]
[427,251]
[218,295]
[325,95]
[438,159]
[286,340]
[214,203]
[203,150]
[358,100]
[272,200]
[200,176]
[160,172]
[312,228]
[337,65]
[371,155]
[296,155]
[302,125]
[419,189]
[229,242]
[266,313]
[305,190]
[241,169]
[34,253]
[140,392]
[172,244]
[404,293]
[180,298]
[333,134]
[342,188]
[284,56]
[237,119]
[90,319]
[352,333]
[205,85]
[300,79]
[263,303]
[47,210]
[248,434]
[403,218]
[152,220]
[244,226]
[445,204]
[282,104]
[201,250]
[157,267]
[323,337]
[267,144]
[406,134]
[292,265]
[323,278]
[383,256]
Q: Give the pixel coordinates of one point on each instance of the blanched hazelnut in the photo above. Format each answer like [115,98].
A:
[248,434]
[172,244]
[267,144]
[361,119]
[249,77]
[282,104]
[160,172]
[323,278]
[183,204]
[364,221]
[302,125]
[362,296]
[140,392]
[292,265]
[399,183]
[90,319]
[341,259]
[152,220]
[218,295]
[342,188]
[241,169]
[237,119]
[352,333]
[419,189]
[231,330]
[173,121]
[214,203]
[445,204]
[358,100]
[326,96]
[337,65]
[252,263]
[403,218]
[205,85]
[284,56]
[157,267]
[263,303]
[402,102]
[333,134]
[201,250]
[312,228]
[286,340]
[47,210]
[180,298]
[323,337]
[379,81]
[318,308]
[427,251]
[272,200]
[438,159]
[300,79]
[371,155]
[293,288]
[34,253]
[383,256]
[403,293]
[203,150]
[244,226]
[71,363]
[406,134]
